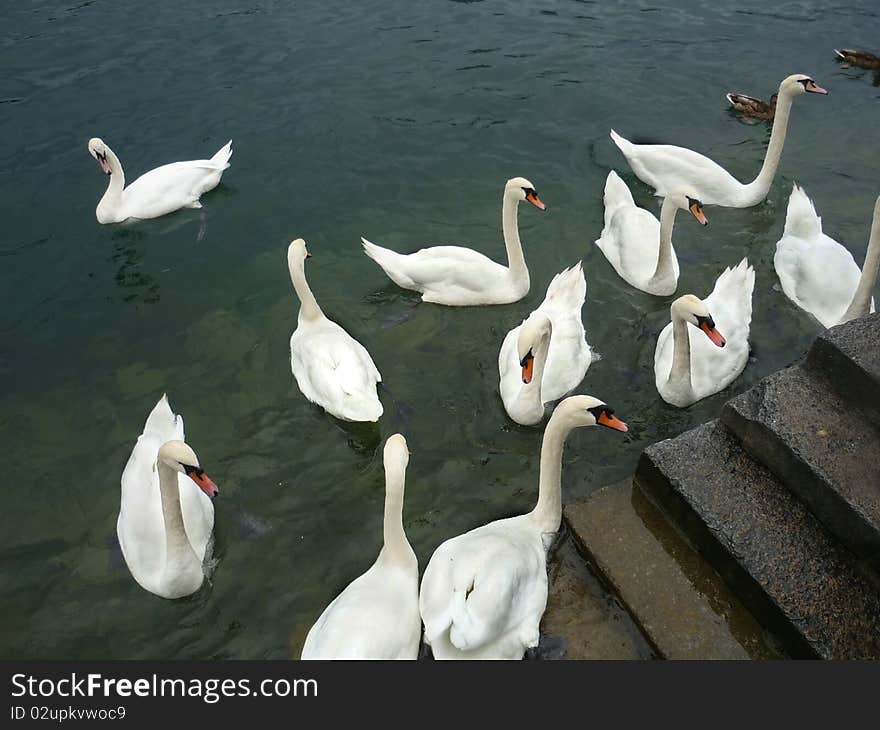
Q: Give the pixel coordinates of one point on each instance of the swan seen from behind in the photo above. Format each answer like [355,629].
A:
[484,592]
[817,273]
[159,191]
[331,368]
[689,366]
[458,276]
[166,517]
[668,167]
[377,615]
[547,355]
[636,244]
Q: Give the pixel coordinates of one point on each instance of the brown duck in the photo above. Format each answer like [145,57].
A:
[753,107]
[862,59]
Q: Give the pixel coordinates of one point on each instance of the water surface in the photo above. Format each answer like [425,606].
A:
[399,121]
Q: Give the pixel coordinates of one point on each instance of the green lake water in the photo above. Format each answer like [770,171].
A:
[394,120]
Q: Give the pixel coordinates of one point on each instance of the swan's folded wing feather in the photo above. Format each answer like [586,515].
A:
[198,515]
[141,526]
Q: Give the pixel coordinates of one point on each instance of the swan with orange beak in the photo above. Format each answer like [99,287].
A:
[165,523]
[458,276]
[688,365]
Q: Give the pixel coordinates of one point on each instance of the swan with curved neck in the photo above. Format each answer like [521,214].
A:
[331,368]
[457,276]
[484,592]
[547,355]
[159,191]
[690,366]
[636,244]
[377,615]
[819,274]
[666,167]
[165,523]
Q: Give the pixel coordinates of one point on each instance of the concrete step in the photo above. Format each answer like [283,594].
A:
[849,356]
[823,449]
[681,605]
[791,573]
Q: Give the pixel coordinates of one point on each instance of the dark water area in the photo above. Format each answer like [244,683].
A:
[400,122]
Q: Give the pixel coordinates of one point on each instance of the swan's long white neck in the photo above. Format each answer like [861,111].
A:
[757,190]
[396,547]
[112,199]
[548,512]
[680,374]
[510,226]
[308,309]
[861,301]
[530,393]
[177,546]
[664,268]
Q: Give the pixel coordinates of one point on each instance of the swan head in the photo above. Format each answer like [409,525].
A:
[685,198]
[693,310]
[800,84]
[180,457]
[532,334]
[396,454]
[98,149]
[585,410]
[522,189]
[297,251]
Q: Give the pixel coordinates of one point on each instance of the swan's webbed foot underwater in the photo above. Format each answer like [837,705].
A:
[203,226]
[548,648]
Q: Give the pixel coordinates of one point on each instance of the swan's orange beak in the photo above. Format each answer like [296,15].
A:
[697,212]
[713,334]
[533,198]
[612,421]
[204,482]
[814,88]
[528,367]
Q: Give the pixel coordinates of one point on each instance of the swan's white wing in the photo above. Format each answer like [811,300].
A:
[170,187]
[141,526]
[335,371]
[484,592]
[569,355]
[668,167]
[375,617]
[730,304]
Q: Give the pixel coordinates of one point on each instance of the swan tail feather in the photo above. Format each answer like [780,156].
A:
[735,287]
[391,262]
[617,195]
[801,219]
[221,158]
[568,288]
[623,144]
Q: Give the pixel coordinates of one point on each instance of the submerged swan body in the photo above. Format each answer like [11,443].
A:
[689,366]
[484,592]
[166,516]
[159,191]
[547,355]
[817,273]
[331,368]
[377,615]
[667,167]
[636,244]
[457,276]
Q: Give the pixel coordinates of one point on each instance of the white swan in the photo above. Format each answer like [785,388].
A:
[547,355]
[165,523]
[636,244]
[667,167]
[458,276]
[484,592]
[817,273]
[377,615]
[159,191]
[688,366]
[331,368]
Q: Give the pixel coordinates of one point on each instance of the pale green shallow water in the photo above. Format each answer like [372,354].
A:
[396,122]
